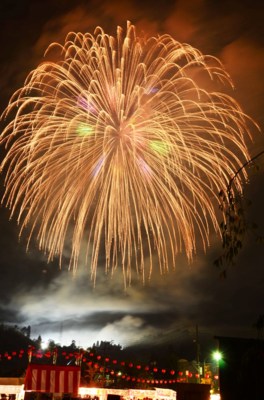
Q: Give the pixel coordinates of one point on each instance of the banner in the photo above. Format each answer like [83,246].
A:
[52,378]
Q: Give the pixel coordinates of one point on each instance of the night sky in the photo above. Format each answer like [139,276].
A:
[167,308]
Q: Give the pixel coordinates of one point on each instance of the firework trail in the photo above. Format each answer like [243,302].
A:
[119,141]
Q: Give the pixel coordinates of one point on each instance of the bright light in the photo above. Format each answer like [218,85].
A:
[215,396]
[217,356]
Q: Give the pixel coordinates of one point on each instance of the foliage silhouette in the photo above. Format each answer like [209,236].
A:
[235,225]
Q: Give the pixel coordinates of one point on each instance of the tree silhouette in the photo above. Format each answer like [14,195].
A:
[13,340]
[235,224]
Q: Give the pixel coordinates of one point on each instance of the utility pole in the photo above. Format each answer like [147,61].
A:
[197,342]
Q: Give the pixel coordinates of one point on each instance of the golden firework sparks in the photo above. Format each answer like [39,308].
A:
[117,144]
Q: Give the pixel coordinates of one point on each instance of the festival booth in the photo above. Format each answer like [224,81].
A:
[51,381]
[126,394]
[12,388]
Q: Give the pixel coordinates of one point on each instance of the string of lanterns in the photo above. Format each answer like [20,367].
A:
[95,361]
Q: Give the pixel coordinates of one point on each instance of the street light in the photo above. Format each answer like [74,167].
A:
[217,356]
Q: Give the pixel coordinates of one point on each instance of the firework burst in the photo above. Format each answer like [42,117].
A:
[116,144]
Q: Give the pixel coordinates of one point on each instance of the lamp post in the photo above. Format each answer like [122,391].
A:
[217,356]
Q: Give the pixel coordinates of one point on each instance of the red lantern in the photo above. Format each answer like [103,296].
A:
[122,363]
[114,361]
[106,359]
[130,365]
[163,371]
[138,366]
[172,372]
[13,353]
[155,369]
[91,354]
[180,373]
[146,368]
